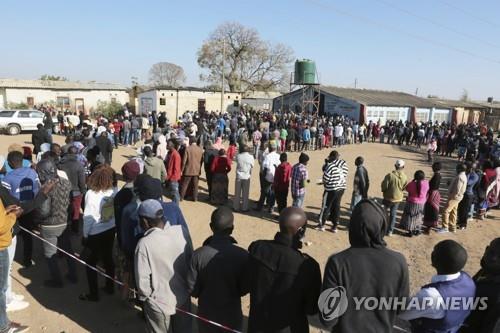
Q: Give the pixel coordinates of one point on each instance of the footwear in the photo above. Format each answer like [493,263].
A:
[28,263]
[17,328]
[334,230]
[88,297]
[442,231]
[461,228]
[389,234]
[53,284]
[320,228]
[17,306]
[328,223]
[409,234]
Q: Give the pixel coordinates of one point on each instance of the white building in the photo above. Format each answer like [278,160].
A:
[75,96]
[366,105]
[176,101]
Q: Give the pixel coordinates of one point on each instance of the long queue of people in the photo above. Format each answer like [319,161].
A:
[72,189]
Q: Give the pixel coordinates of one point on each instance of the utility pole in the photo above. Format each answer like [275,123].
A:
[355,83]
[222,85]
[416,92]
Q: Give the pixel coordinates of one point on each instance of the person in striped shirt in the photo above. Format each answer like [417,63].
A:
[334,183]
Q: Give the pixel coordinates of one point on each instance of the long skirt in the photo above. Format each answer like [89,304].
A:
[220,183]
[431,209]
[412,216]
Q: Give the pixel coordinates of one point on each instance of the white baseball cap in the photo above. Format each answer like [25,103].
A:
[400,163]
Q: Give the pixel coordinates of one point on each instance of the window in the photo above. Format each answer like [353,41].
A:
[440,116]
[236,103]
[23,114]
[163,101]
[62,102]
[392,115]
[6,114]
[422,117]
[113,100]
[36,114]
[30,101]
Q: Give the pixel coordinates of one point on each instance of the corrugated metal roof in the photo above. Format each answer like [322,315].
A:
[456,104]
[380,97]
[494,105]
[63,85]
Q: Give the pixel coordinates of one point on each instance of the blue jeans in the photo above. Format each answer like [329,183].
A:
[393,212]
[298,201]
[173,191]
[356,198]
[126,137]
[4,274]
[266,194]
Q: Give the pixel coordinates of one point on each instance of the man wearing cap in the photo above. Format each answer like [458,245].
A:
[160,271]
[217,275]
[393,186]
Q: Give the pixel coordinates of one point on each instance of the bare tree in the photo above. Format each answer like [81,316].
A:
[465,95]
[47,77]
[250,63]
[166,74]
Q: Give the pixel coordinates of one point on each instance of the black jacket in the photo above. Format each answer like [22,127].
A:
[217,278]
[365,269]
[361,182]
[38,138]
[75,171]
[54,210]
[105,147]
[284,286]
[486,320]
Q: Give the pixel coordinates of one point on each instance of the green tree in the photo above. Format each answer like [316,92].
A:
[47,77]
[108,109]
[18,106]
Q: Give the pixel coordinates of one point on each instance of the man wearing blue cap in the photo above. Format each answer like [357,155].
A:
[161,270]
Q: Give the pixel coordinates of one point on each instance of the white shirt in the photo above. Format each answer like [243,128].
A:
[432,311]
[98,215]
[271,161]
[244,165]
[339,131]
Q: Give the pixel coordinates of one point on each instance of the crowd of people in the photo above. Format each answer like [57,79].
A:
[71,190]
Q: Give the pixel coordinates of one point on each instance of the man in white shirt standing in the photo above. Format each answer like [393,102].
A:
[339,133]
[244,164]
[162,286]
[271,161]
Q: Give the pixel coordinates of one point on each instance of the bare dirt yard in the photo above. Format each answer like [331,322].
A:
[59,310]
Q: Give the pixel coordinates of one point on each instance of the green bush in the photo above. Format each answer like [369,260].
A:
[18,106]
[108,109]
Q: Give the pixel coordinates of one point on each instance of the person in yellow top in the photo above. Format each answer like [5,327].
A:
[8,217]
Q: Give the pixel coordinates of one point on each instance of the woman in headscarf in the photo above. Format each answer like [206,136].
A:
[161,149]
[414,208]
[431,206]
[221,166]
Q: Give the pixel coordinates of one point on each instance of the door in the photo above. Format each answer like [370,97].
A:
[30,101]
[201,105]
[79,105]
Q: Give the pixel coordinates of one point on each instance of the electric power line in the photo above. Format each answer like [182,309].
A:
[438,24]
[398,30]
[463,11]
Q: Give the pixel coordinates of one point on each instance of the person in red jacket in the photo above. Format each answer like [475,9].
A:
[281,183]
[117,126]
[221,165]
[173,162]
[231,150]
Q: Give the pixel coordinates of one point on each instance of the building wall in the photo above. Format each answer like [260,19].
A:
[176,102]
[423,115]
[387,113]
[341,106]
[265,104]
[48,96]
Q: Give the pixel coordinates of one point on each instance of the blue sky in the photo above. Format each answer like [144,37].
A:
[438,46]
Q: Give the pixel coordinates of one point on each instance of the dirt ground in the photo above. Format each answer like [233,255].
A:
[60,310]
